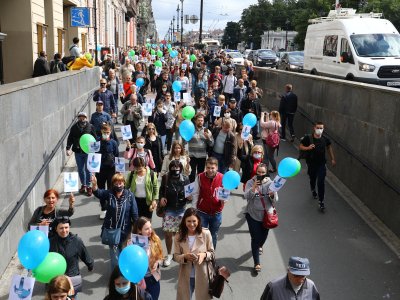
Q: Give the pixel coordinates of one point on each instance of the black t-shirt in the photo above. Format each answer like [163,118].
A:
[317,155]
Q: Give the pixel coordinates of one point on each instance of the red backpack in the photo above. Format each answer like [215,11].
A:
[273,138]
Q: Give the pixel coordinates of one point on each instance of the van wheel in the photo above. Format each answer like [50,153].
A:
[314,72]
[350,77]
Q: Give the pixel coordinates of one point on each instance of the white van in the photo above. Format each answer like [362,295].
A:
[352,46]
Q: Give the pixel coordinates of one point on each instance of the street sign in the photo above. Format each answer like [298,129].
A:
[80,17]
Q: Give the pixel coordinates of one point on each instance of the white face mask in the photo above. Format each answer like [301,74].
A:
[139,145]
[227,115]
[257,156]
[319,131]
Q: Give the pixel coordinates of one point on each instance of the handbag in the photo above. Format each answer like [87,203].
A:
[112,236]
[270,219]
[217,276]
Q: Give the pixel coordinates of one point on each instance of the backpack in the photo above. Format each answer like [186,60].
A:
[68,61]
[273,138]
[55,68]
[305,154]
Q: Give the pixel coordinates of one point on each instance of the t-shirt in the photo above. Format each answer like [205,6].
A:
[317,156]
[191,240]
[219,144]
[140,191]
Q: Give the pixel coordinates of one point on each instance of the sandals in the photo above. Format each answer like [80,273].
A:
[257,268]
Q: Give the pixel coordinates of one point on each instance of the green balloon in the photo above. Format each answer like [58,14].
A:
[192,58]
[152,52]
[188,112]
[53,265]
[158,63]
[132,53]
[85,141]
[159,53]
[170,50]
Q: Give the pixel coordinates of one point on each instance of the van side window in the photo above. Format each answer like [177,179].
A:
[330,45]
[346,55]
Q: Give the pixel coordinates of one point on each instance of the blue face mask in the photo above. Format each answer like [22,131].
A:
[123,290]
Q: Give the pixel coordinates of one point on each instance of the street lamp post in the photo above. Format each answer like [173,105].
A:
[287,26]
[177,21]
[181,23]
[173,29]
[201,22]
[268,28]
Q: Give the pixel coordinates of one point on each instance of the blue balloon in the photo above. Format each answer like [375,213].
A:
[250,120]
[133,263]
[139,82]
[154,46]
[289,167]
[174,53]
[169,46]
[186,129]
[231,180]
[33,249]
[161,45]
[177,86]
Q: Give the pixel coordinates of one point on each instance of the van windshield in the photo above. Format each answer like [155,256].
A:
[376,45]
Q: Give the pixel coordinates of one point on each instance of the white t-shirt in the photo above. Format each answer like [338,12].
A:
[140,191]
[191,240]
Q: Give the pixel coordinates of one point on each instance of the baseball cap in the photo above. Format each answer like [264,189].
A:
[232,100]
[299,266]
[82,114]
[99,102]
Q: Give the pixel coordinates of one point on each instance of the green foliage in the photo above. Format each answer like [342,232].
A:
[231,37]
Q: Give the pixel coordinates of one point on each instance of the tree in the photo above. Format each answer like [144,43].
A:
[231,37]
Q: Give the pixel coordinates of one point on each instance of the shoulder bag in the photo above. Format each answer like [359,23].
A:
[112,236]
[270,219]
[217,276]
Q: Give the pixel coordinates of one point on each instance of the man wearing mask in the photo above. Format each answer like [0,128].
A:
[107,97]
[224,149]
[132,115]
[205,198]
[77,130]
[201,140]
[315,146]
[294,285]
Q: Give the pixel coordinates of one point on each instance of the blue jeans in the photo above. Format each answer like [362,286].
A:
[212,223]
[258,237]
[191,287]
[152,287]
[84,174]
[317,175]
[222,167]
[114,254]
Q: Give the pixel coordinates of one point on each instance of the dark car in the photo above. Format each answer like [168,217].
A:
[250,55]
[292,61]
[265,57]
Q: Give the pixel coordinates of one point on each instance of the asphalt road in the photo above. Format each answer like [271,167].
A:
[348,260]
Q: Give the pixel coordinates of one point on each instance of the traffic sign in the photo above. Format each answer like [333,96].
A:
[80,17]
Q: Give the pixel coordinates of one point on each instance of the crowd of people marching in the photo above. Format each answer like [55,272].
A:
[161,164]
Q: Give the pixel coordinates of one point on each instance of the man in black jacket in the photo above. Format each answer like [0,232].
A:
[41,66]
[252,105]
[287,109]
[224,149]
[71,247]
[77,130]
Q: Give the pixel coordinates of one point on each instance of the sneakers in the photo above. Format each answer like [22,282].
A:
[167,260]
[321,206]
[283,139]
[89,191]
[314,194]
[102,215]
[82,190]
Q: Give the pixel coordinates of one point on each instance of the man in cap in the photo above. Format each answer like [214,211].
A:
[107,97]
[294,285]
[77,130]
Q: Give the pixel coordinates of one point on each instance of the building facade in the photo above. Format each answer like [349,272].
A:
[29,27]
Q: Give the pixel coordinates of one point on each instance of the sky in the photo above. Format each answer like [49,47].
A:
[215,13]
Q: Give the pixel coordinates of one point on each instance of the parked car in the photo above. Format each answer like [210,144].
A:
[292,61]
[246,53]
[250,55]
[265,57]
[237,57]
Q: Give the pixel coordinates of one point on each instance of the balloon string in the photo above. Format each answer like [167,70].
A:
[136,291]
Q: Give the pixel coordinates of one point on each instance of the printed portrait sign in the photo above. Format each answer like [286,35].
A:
[217,111]
[94,147]
[277,184]
[120,164]
[94,162]
[21,288]
[42,228]
[126,132]
[189,189]
[246,132]
[71,182]
[147,109]
[139,240]
[223,194]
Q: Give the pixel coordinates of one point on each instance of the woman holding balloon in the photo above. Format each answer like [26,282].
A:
[259,199]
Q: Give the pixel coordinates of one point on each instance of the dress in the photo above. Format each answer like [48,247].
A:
[157,150]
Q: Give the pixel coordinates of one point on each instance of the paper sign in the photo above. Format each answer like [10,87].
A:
[153,57]
[191,65]
[277,184]
[223,194]
[136,58]
[177,96]
[94,162]
[187,98]
[217,111]
[94,147]
[147,109]
[189,189]
[139,240]
[126,132]
[21,288]
[246,132]
[71,182]
[152,101]
[42,228]
[119,165]
[120,88]
[184,66]
[157,71]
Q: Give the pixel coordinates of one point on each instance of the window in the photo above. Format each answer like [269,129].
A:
[61,40]
[330,45]
[346,55]
[41,37]
[83,42]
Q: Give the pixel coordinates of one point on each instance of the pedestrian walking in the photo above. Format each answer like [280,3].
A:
[270,124]
[107,97]
[224,145]
[59,288]
[177,153]
[132,115]
[287,110]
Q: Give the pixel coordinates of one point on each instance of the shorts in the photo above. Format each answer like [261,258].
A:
[172,220]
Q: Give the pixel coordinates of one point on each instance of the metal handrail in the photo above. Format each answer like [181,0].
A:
[41,171]
[339,142]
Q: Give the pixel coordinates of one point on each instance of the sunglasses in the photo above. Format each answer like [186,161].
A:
[102,83]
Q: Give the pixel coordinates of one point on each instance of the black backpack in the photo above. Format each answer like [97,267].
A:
[305,154]
[68,60]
